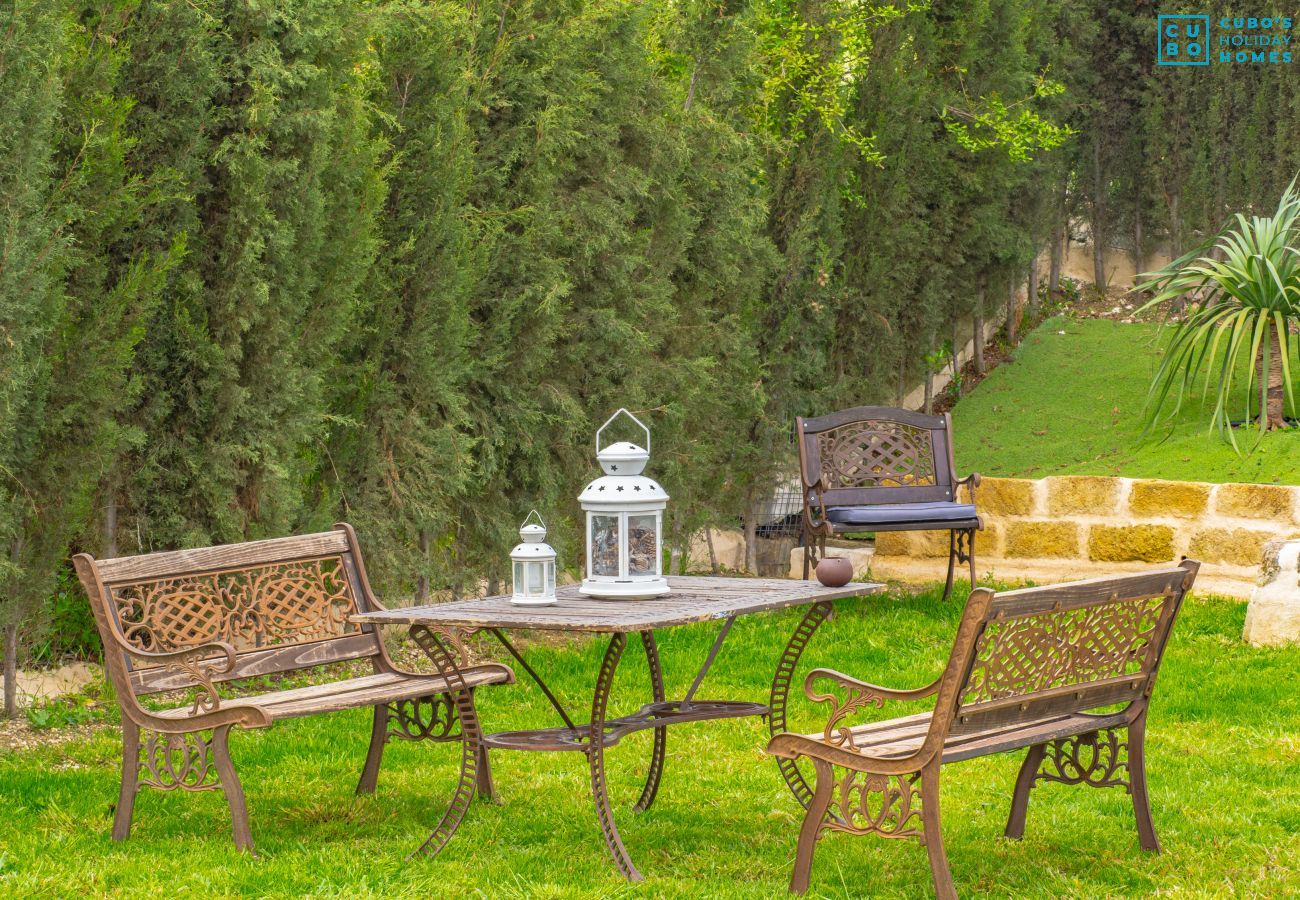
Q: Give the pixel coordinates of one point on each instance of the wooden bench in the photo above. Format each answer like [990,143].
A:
[1066,671]
[873,468]
[194,619]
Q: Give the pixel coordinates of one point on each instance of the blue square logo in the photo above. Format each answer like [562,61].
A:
[1183,41]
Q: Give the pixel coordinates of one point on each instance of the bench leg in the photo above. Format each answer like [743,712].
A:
[231,787]
[812,826]
[130,780]
[1137,773]
[961,549]
[375,755]
[484,785]
[1024,784]
[939,871]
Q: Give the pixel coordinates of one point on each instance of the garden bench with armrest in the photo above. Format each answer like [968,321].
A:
[874,468]
[1066,671]
[194,619]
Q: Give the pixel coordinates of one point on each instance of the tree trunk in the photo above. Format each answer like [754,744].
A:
[751,536]
[1031,298]
[977,340]
[422,581]
[902,381]
[1054,267]
[1175,228]
[11,671]
[713,554]
[1098,218]
[1272,387]
[109,538]
[1013,313]
[929,392]
[1139,258]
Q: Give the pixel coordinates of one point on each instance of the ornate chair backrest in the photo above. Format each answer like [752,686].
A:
[283,604]
[1026,655]
[876,454]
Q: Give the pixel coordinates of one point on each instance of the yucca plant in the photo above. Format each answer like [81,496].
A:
[1242,304]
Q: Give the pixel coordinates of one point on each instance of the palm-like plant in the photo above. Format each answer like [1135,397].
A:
[1241,304]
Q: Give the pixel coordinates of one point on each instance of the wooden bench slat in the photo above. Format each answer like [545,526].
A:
[1091,592]
[226,556]
[251,663]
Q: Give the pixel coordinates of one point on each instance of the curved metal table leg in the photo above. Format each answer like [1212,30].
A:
[596,757]
[812,620]
[661,733]
[470,743]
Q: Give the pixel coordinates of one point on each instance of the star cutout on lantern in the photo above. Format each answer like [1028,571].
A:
[620,487]
[601,488]
[613,468]
[637,488]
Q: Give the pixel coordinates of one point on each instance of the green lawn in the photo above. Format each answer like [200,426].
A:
[1224,768]
[1071,403]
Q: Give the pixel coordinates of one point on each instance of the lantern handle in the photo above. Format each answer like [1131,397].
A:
[622,411]
[534,514]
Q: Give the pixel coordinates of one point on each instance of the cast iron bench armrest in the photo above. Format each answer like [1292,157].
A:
[193,661]
[971,481]
[861,695]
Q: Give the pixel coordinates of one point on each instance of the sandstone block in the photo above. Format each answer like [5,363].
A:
[1255,501]
[1237,546]
[1131,543]
[894,543]
[1184,499]
[1005,497]
[1096,495]
[1038,540]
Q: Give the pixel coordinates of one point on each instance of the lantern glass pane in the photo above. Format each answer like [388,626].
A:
[536,580]
[604,546]
[550,577]
[642,545]
[519,578]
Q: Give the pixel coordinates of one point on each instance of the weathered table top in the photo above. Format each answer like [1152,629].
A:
[692,599]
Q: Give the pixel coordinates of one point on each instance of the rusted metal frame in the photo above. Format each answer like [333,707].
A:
[596,757]
[658,753]
[532,673]
[780,694]
[708,661]
[472,755]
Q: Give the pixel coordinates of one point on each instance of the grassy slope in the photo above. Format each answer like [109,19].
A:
[1224,752]
[1071,404]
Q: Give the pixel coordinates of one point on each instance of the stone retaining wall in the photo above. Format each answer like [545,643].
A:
[1080,525]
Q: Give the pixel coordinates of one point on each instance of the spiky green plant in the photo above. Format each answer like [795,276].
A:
[1241,302]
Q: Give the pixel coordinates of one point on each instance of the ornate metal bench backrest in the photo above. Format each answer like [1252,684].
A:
[282,604]
[876,454]
[1033,654]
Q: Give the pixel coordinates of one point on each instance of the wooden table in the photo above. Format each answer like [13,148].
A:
[440,629]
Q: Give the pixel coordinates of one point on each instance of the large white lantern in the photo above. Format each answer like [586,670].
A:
[625,513]
[533,562]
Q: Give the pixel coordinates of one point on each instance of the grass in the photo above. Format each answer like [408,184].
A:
[1224,753]
[1071,403]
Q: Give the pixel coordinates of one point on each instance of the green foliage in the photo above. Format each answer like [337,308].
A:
[1242,303]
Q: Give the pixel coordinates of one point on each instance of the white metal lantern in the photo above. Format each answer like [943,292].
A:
[625,514]
[533,563]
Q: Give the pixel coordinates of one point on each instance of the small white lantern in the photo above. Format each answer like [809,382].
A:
[533,562]
[624,523]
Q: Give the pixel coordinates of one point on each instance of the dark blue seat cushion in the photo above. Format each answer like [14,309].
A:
[939,513]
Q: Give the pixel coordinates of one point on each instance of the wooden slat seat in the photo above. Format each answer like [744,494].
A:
[201,618]
[1066,671]
[903,737]
[349,693]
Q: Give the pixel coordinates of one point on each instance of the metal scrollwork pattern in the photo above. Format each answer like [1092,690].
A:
[876,454]
[887,805]
[207,699]
[423,718]
[1059,648]
[1099,759]
[178,761]
[248,608]
[834,733]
